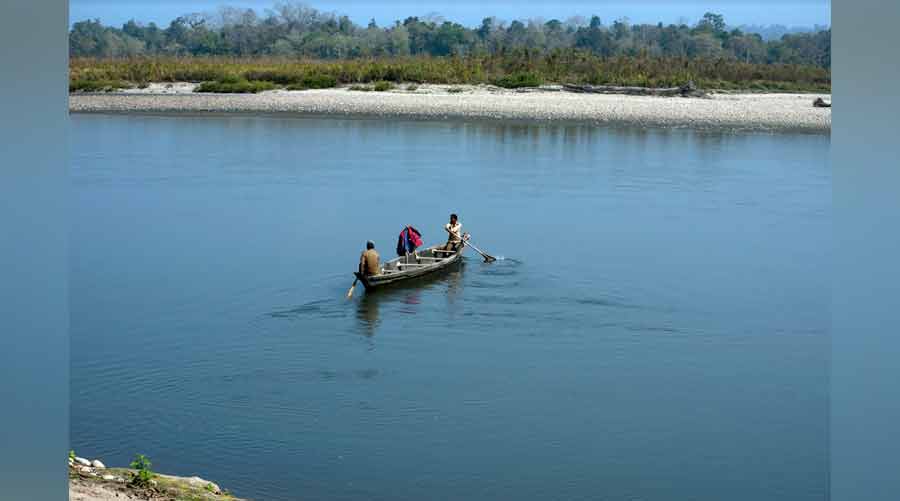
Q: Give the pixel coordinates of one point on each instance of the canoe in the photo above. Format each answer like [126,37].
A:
[403,268]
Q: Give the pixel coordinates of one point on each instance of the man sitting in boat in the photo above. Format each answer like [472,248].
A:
[410,239]
[368,261]
[454,228]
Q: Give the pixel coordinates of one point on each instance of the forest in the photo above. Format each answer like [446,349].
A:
[292,43]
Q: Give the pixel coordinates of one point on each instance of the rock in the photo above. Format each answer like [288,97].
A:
[97,464]
[820,103]
[109,478]
[82,461]
[203,484]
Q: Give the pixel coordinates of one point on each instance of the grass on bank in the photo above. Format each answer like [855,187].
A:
[84,85]
[141,479]
[172,488]
[519,80]
[236,86]
[314,82]
[221,74]
[257,83]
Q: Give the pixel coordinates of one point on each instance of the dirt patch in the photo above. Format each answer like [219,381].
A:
[91,490]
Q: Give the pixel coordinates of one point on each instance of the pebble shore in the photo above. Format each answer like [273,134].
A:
[754,112]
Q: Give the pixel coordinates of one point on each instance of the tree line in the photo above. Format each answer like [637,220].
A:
[294,30]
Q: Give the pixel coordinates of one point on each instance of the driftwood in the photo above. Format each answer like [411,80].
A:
[688,90]
[820,103]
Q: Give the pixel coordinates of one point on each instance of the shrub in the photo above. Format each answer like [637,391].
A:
[518,80]
[231,78]
[143,475]
[314,82]
[238,86]
[96,85]
[382,86]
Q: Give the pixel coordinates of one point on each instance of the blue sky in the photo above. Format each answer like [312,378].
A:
[470,12]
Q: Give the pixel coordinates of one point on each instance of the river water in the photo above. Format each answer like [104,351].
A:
[657,327]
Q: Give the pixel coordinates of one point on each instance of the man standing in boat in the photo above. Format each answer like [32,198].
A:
[368,261]
[454,228]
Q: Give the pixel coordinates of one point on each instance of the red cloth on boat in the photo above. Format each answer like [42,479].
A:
[410,238]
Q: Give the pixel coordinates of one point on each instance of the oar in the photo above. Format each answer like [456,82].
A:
[350,292]
[487,258]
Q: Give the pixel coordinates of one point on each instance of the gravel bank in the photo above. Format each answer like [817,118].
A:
[764,112]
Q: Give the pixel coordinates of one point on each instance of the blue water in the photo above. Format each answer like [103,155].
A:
[656,330]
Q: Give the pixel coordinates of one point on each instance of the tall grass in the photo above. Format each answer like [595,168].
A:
[567,66]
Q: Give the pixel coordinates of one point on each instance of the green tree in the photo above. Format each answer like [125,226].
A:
[712,22]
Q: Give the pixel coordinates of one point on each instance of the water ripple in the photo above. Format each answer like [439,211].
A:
[323,308]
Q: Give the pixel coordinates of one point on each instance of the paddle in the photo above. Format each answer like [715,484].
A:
[487,258]
[350,292]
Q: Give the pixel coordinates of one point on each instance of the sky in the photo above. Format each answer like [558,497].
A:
[470,12]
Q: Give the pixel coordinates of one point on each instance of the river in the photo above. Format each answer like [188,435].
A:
[656,328]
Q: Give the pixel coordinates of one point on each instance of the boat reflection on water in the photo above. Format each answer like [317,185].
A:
[408,299]
[367,314]
[454,290]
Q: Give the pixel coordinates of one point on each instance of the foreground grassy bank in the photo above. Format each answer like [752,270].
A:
[257,74]
[93,481]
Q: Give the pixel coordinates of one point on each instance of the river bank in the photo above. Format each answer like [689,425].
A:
[91,480]
[721,111]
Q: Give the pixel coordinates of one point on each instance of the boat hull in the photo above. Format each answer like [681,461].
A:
[407,268]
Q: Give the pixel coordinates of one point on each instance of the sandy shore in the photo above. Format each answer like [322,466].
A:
[764,112]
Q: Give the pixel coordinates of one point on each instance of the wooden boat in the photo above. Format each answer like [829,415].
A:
[423,262]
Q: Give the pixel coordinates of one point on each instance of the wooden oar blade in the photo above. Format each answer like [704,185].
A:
[487,257]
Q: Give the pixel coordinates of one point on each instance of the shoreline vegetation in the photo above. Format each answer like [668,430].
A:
[91,480]
[580,87]
[573,67]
